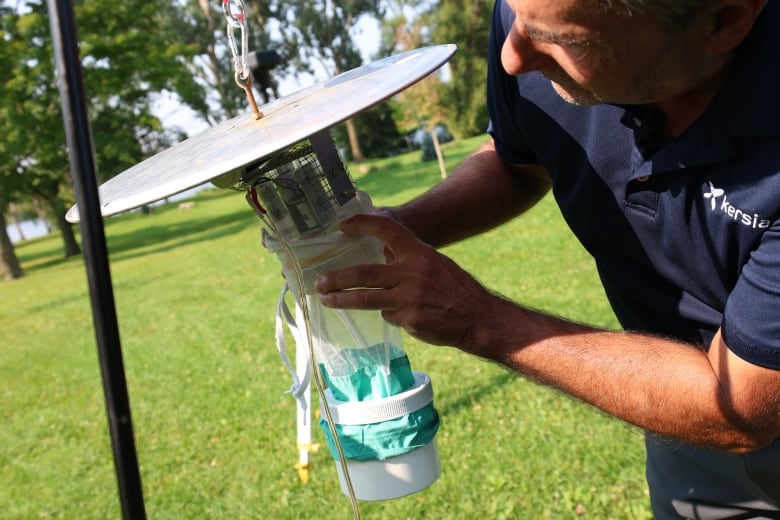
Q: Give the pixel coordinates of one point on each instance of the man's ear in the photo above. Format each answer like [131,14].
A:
[730,21]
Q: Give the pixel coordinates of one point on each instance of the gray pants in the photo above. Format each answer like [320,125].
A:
[702,484]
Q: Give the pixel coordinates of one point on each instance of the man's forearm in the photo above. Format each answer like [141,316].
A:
[655,383]
[481,193]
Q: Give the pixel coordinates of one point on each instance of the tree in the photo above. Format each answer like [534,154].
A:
[420,105]
[376,130]
[128,51]
[322,32]
[467,24]
[214,94]
[9,183]
[9,262]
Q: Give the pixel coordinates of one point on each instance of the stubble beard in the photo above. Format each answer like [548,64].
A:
[575,94]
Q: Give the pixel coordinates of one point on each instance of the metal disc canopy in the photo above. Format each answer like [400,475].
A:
[244,139]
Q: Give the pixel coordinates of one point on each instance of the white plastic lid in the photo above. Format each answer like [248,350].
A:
[378,410]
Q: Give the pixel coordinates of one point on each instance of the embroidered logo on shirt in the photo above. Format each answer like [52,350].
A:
[736,214]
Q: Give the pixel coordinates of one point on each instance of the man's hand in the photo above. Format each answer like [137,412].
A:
[419,289]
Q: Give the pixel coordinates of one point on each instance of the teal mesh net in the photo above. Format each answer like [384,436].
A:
[382,440]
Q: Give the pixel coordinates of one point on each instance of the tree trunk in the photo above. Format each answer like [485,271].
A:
[41,214]
[72,247]
[10,263]
[14,214]
[439,156]
[354,142]
[65,228]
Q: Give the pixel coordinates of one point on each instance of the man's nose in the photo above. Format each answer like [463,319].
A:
[521,54]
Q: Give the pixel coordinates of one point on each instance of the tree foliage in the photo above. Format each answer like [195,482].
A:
[467,24]
[214,94]
[377,131]
[128,50]
[323,31]
[420,107]
[421,104]
[134,50]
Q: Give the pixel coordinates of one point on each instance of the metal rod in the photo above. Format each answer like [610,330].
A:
[79,141]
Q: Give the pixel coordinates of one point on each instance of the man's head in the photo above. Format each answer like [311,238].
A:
[671,13]
[627,51]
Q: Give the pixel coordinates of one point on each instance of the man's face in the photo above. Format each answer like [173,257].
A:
[592,57]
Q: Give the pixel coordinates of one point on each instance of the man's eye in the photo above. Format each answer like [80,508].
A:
[578,51]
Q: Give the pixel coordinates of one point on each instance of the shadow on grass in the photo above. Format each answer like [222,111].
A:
[157,238]
[473,395]
[47,251]
[42,252]
[46,304]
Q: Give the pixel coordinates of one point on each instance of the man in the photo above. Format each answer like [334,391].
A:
[655,123]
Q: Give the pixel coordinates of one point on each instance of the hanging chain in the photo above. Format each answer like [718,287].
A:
[243,76]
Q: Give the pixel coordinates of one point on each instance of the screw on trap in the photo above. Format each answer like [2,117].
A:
[304,205]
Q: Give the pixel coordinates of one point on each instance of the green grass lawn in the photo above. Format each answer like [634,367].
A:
[215,432]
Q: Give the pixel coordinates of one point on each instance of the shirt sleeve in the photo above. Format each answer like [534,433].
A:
[751,320]
[503,95]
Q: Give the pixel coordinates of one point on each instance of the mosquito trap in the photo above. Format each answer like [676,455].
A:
[377,413]
[381,411]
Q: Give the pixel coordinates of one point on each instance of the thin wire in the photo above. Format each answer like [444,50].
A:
[309,340]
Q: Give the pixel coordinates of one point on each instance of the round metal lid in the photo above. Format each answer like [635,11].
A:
[244,139]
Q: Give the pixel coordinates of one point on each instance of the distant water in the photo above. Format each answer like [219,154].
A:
[30,229]
[37,228]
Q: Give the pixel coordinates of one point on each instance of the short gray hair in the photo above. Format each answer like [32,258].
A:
[672,13]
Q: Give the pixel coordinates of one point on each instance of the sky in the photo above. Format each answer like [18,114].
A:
[174,114]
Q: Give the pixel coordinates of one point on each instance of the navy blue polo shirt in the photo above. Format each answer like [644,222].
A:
[685,236]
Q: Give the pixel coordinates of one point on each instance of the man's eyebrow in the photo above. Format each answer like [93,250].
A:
[555,38]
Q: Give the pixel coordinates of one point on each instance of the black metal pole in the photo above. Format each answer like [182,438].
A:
[82,160]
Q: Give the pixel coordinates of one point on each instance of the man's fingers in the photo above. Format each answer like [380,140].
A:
[372,276]
[366,299]
[396,238]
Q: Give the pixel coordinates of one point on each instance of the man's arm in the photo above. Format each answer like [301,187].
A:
[709,398]
[481,193]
